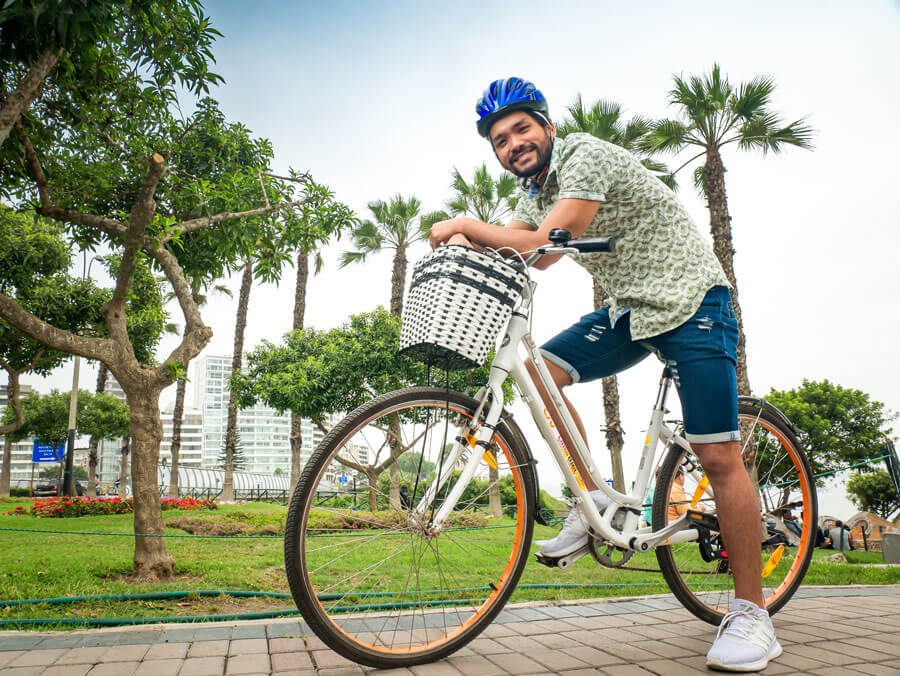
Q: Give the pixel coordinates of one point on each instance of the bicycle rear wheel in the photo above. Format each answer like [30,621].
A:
[374,584]
[699,574]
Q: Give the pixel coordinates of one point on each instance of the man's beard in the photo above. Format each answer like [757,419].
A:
[543,155]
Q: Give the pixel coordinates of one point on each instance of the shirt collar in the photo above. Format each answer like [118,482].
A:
[533,185]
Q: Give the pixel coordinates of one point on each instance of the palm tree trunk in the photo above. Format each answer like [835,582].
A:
[720,227]
[236,362]
[175,447]
[94,443]
[299,315]
[398,281]
[614,433]
[398,284]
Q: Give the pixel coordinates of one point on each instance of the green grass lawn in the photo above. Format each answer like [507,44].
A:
[37,565]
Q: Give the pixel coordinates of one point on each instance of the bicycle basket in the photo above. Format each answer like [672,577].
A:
[458,302]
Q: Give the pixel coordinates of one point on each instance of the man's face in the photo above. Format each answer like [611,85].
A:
[521,143]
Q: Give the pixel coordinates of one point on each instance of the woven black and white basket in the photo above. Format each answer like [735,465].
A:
[458,302]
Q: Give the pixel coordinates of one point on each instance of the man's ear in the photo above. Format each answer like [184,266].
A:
[552,129]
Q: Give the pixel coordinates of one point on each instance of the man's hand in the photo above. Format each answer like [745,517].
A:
[443,231]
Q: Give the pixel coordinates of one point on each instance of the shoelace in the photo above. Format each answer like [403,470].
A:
[745,624]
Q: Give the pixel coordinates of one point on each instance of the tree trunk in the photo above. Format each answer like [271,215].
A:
[123,467]
[614,433]
[175,449]
[373,487]
[394,471]
[395,443]
[236,362]
[7,467]
[720,227]
[93,458]
[21,98]
[151,560]
[398,281]
[494,506]
[299,315]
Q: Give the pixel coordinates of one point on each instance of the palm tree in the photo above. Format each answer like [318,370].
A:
[713,114]
[303,256]
[488,199]
[604,120]
[397,225]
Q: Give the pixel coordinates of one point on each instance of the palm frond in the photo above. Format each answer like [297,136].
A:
[752,97]
[367,237]
[349,257]
[430,219]
[700,179]
[661,171]
[765,133]
[318,263]
[665,136]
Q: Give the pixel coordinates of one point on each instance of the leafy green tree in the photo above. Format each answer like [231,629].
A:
[604,119]
[874,492]
[97,140]
[315,374]
[237,458]
[712,115]
[838,426]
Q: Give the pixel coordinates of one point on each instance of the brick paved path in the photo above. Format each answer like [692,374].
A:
[831,630]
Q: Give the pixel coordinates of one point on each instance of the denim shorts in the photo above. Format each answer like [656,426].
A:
[701,353]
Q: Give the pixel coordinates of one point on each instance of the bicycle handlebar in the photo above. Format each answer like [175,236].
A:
[592,245]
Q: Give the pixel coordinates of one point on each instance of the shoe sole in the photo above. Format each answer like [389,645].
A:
[752,666]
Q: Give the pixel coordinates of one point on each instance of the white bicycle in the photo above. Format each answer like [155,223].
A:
[423,574]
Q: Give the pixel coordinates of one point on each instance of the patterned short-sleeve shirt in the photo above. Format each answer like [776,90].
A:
[662,267]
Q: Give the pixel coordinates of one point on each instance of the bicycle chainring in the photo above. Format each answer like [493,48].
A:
[605,558]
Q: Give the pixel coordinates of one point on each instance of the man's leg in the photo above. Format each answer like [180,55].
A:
[562,379]
[738,515]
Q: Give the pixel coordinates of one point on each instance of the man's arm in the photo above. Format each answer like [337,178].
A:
[574,215]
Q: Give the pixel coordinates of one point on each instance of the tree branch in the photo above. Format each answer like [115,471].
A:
[196,333]
[101,349]
[141,215]
[50,210]
[302,178]
[351,464]
[21,98]
[206,221]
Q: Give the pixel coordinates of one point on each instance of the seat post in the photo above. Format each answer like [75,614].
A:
[665,382]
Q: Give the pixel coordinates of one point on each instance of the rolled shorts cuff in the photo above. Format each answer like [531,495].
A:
[714,438]
[562,363]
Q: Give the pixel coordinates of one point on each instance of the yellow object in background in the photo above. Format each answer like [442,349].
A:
[701,489]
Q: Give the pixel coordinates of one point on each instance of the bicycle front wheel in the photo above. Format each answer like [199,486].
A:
[370,577]
[699,573]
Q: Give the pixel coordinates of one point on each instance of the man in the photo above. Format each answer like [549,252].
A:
[839,534]
[668,294]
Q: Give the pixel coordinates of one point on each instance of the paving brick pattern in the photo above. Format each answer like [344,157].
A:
[830,630]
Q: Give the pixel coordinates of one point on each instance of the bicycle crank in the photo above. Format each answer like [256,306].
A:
[605,558]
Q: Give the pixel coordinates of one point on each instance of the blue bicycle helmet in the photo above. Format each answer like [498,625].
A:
[505,96]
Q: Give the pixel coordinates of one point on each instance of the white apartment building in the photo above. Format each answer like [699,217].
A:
[109,453]
[191,451]
[20,468]
[265,434]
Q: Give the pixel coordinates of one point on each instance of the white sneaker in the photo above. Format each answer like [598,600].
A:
[574,533]
[746,640]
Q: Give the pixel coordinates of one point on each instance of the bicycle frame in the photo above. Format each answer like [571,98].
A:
[508,362]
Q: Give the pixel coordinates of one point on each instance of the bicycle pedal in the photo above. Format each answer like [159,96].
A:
[703,519]
[562,562]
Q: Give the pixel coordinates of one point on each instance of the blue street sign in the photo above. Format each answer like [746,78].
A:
[342,479]
[46,452]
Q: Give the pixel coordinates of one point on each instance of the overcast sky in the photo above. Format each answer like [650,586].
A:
[377,98]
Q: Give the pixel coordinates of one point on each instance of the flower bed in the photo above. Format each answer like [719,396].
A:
[69,507]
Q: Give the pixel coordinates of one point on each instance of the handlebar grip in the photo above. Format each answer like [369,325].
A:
[593,245]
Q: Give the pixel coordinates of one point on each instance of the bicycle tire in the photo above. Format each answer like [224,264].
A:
[368,620]
[705,587]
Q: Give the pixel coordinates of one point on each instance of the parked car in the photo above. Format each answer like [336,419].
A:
[51,488]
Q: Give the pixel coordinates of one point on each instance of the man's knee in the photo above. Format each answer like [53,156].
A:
[719,459]
[559,375]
